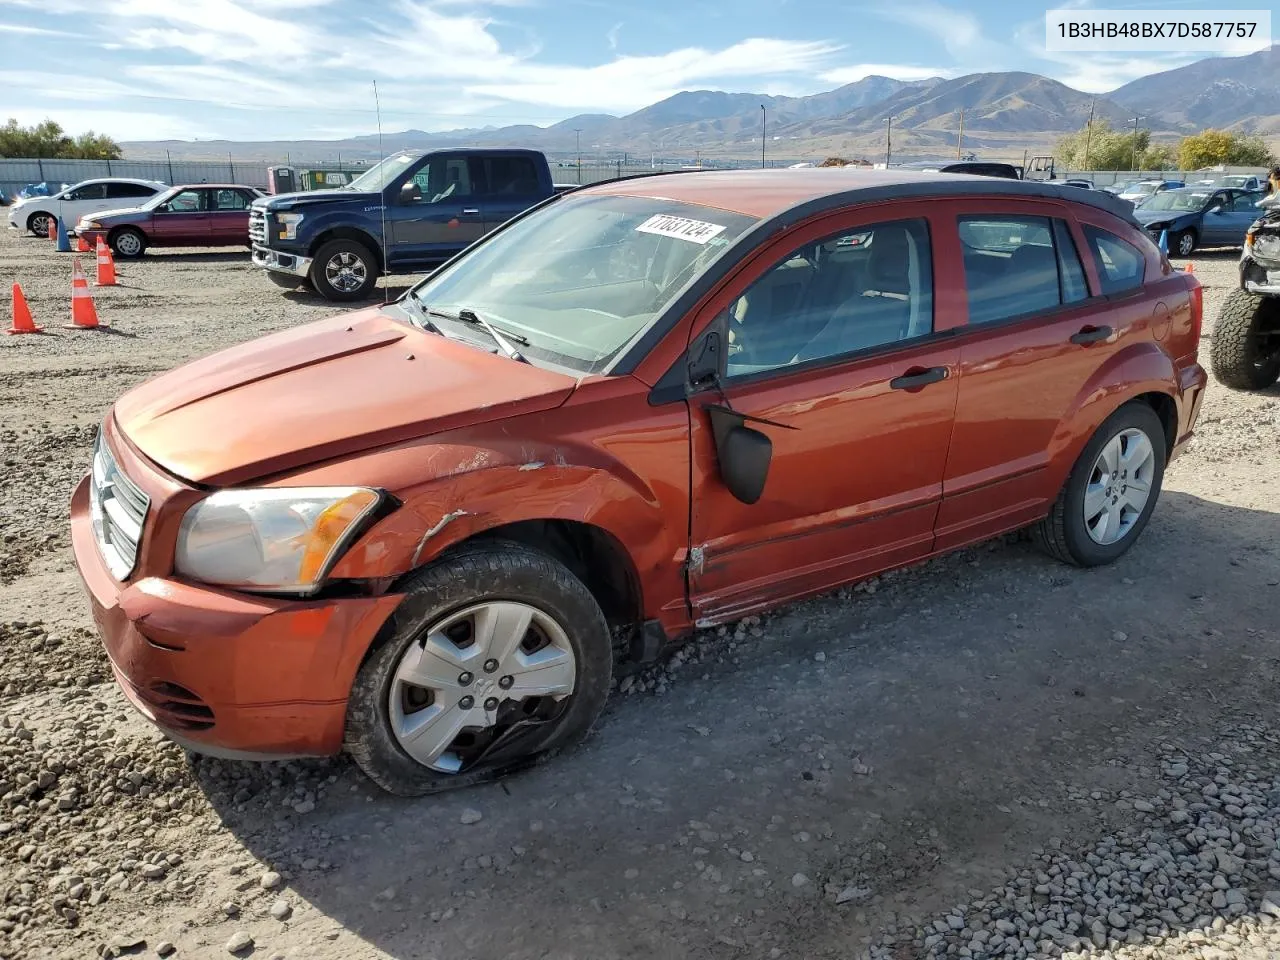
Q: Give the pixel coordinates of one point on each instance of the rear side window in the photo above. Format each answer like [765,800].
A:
[230,200]
[1016,266]
[1121,266]
[123,190]
[512,175]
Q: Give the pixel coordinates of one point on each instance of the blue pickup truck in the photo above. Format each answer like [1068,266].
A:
[410,212]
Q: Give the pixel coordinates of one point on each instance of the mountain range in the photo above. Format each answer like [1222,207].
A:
[1006,111]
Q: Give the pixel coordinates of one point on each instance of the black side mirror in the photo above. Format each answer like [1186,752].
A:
[411,192]
[743,454]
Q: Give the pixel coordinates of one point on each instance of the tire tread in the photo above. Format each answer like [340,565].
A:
[1231,353]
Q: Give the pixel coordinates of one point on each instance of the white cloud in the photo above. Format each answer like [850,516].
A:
[119,124]
[33,31]
[612,35]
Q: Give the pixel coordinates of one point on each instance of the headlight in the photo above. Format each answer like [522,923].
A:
[1157,227]
[270,540]
[88,225]
[1266,246]
[288,225]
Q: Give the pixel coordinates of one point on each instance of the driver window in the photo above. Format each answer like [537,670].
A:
[444,178]
[851,292]
[1245,202]
[188,201]
[92,191]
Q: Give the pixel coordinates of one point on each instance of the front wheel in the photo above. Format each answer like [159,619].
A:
[497,656]
[38,224]
[1245,350]
[344,270]
[1183,243]
[1111,491]
[128,243]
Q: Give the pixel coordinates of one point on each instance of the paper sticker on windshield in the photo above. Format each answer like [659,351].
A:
[695,231]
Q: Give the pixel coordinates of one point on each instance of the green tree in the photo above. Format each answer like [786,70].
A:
[48,141]
[1102,148]
[1212,147]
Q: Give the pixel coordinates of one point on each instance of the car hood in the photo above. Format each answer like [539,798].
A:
[1145,216]
[287,201]
[352,382]
[129,213]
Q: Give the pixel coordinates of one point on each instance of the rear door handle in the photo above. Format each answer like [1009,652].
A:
[917,378]
[1091,335]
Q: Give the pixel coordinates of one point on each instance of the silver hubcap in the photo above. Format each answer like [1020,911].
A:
[40,225]
[127,244]
[1185,243]
[486,666]
[1119,486]
[346,272]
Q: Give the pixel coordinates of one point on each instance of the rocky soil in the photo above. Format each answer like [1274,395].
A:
[988,755]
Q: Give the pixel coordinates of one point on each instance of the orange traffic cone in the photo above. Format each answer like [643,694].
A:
[106,265]
[82,245]
[1189,268]
[84,316]
[53,229]
[22,322]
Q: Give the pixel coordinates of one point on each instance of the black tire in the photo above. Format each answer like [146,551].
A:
[285,281]
[1181,239]
[38,224]
[358,254]
[487,570]
[128,243]
[1063,534]
[1246,327]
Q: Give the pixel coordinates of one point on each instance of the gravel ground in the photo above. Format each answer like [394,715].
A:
[988,755]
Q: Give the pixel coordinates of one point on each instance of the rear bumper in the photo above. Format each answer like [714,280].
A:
[269,259]
[223,673]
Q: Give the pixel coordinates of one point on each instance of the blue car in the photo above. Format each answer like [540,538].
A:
[1196,217]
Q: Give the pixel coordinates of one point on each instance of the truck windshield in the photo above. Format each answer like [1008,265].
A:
[382,173]
[580,279]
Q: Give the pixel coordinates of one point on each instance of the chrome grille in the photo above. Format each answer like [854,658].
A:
[118,509]
[257,225]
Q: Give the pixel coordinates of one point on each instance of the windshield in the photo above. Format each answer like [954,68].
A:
[1142,188]
[160,198]
[1184,201]
[382,173]
[580,279]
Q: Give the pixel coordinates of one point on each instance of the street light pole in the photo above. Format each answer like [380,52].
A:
[764,122]
[577,135]
[1133,156]
[888,140]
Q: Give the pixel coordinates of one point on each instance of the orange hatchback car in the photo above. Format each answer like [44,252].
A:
[428,532]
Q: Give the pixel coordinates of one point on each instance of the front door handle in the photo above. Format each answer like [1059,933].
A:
[470,211]
[915,378]
[1091,334]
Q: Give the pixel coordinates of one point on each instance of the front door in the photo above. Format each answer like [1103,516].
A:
[1035,333]
[180,218]
[441,212]
[1227,226]
[839,353]
[81,202]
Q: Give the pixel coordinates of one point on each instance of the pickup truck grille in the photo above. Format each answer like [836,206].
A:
[118,509]
[257,225]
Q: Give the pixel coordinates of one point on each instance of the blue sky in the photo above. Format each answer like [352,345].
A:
[290,69]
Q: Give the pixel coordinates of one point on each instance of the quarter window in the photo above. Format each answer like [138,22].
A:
[1017,266]
[851,292]
[1121,266]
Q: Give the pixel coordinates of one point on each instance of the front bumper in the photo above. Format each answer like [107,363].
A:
[1260,277]
[269,259]
[223,673]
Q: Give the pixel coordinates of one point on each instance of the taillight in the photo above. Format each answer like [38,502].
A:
[1197,305]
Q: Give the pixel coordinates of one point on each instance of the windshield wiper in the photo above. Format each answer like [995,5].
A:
[471,317]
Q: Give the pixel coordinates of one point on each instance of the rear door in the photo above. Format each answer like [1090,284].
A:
[513,186]
[181,219]
[1035,332]
[442,212]
[123,196]
[1232,221]
[229,216]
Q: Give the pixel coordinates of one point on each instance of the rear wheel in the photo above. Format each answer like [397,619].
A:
[128,243]
[1111,491]
[1245,350]
[38,224]
[497,656]
[344,270]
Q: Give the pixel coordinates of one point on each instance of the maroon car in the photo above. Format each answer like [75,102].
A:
[200,215]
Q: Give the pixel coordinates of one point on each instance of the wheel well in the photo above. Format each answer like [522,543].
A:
[349,233]
[1167,411]
[39,213]
[593,555]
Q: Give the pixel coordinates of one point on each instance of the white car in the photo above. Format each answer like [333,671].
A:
[85,197]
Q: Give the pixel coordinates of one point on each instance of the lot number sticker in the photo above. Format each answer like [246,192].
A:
[695,231]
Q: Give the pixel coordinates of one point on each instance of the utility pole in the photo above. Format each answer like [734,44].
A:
[1133,157]
[764,122]
[577,133]
[960,136]
[1088,132]
[888,140]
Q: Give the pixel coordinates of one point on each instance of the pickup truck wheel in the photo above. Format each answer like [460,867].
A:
[1111,491]
[128,243]
[1245,350]
[344,270]
[497,657]
[38,224]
